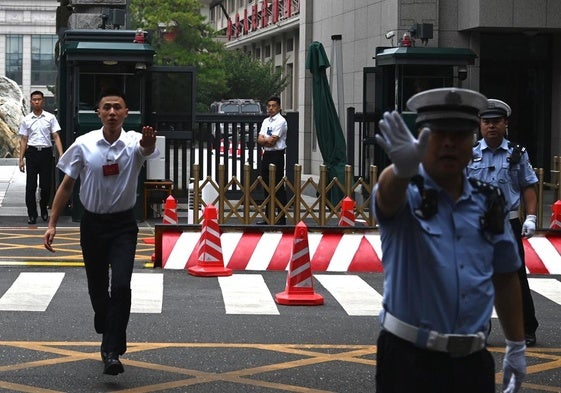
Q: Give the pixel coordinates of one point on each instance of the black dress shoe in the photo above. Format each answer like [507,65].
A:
[32,220]
[44,216]
[530,340]
[111,363]
[261,222]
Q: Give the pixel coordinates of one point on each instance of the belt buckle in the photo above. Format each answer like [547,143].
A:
[38,148]
[459,344]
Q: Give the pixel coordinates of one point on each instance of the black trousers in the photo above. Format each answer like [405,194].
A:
[108,244]
[402,367]
[275,157]
[38,163]
[529,311]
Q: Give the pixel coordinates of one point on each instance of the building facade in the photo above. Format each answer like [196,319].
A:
[517,43]
[27,44]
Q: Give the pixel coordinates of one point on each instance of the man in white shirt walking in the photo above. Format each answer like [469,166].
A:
[38,131]
[108,162]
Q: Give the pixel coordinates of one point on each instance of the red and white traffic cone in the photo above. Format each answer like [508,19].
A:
[299,282]
[239,149]
[170,211]
[210,262]
[555,222]
[222,146]
[347,218]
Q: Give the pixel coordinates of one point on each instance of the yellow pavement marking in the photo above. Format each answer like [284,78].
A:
[24,247]
[301,355]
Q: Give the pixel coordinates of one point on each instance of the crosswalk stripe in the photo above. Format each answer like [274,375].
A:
[547,287]
[355,295]
[147,293]
[247,294]
[242,293]
[31,292]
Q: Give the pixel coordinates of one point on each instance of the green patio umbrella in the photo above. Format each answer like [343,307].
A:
[328,128]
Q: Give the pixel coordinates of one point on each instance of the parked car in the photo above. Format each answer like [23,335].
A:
[236,106]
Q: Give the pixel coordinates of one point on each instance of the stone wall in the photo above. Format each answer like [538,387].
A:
[12,110]
[87,14]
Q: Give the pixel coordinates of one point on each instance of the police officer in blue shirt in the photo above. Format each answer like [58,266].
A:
[499,162]
[448,255]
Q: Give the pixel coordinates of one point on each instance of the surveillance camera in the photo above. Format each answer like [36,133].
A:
[462,73]
[390,34]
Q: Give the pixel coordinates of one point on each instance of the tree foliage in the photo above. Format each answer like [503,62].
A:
[182,36]
[248,77]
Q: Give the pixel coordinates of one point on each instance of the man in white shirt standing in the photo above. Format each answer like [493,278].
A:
[38,130]
[272,137]
[108,162]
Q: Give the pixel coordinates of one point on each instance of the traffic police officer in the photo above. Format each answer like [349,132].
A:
[448,255]
[498,161]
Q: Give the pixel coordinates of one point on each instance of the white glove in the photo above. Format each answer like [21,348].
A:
[529,227]
[514,366]
[400,145]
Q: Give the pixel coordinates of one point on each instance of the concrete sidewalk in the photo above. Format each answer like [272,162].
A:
[12,190]
[13,212]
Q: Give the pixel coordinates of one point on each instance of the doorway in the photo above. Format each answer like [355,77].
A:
[516,68]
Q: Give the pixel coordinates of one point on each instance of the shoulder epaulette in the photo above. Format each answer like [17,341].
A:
[484,187]
[517,153]
[493,219]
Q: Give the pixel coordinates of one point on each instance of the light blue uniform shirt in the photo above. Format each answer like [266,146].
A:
[437,271]
[493,167]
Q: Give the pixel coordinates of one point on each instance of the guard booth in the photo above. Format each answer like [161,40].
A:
[91,60]
[400,73]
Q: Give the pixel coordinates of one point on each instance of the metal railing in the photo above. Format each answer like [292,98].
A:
[309,199]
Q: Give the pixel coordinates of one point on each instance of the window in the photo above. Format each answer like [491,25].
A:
[14,57]
[289,45]
[43,67]
[288,101]
[267,51]
[278,48]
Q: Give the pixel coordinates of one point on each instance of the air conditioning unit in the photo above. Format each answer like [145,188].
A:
[156,168]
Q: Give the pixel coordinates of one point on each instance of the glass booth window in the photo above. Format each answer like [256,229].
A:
[14,57]
[92,84]
[417,78]
[43,67]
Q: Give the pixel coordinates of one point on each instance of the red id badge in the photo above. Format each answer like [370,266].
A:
[111,169]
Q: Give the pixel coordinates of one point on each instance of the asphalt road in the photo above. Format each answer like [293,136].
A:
[194,344]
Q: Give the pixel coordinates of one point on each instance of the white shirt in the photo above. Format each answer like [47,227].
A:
[86,157]
[38,129]
[275,125]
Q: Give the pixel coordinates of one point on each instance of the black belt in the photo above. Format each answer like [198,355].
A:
[275,151]
[38,148]
[111,216]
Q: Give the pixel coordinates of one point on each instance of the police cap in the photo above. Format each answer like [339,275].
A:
[448,105]
[495,108]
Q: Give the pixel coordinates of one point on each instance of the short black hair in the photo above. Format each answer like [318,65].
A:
[112,91]
[275,98]
[37,93]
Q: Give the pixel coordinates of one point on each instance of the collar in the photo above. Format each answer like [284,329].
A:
[503,145]
[467,189]
[101,139]
[34,116]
